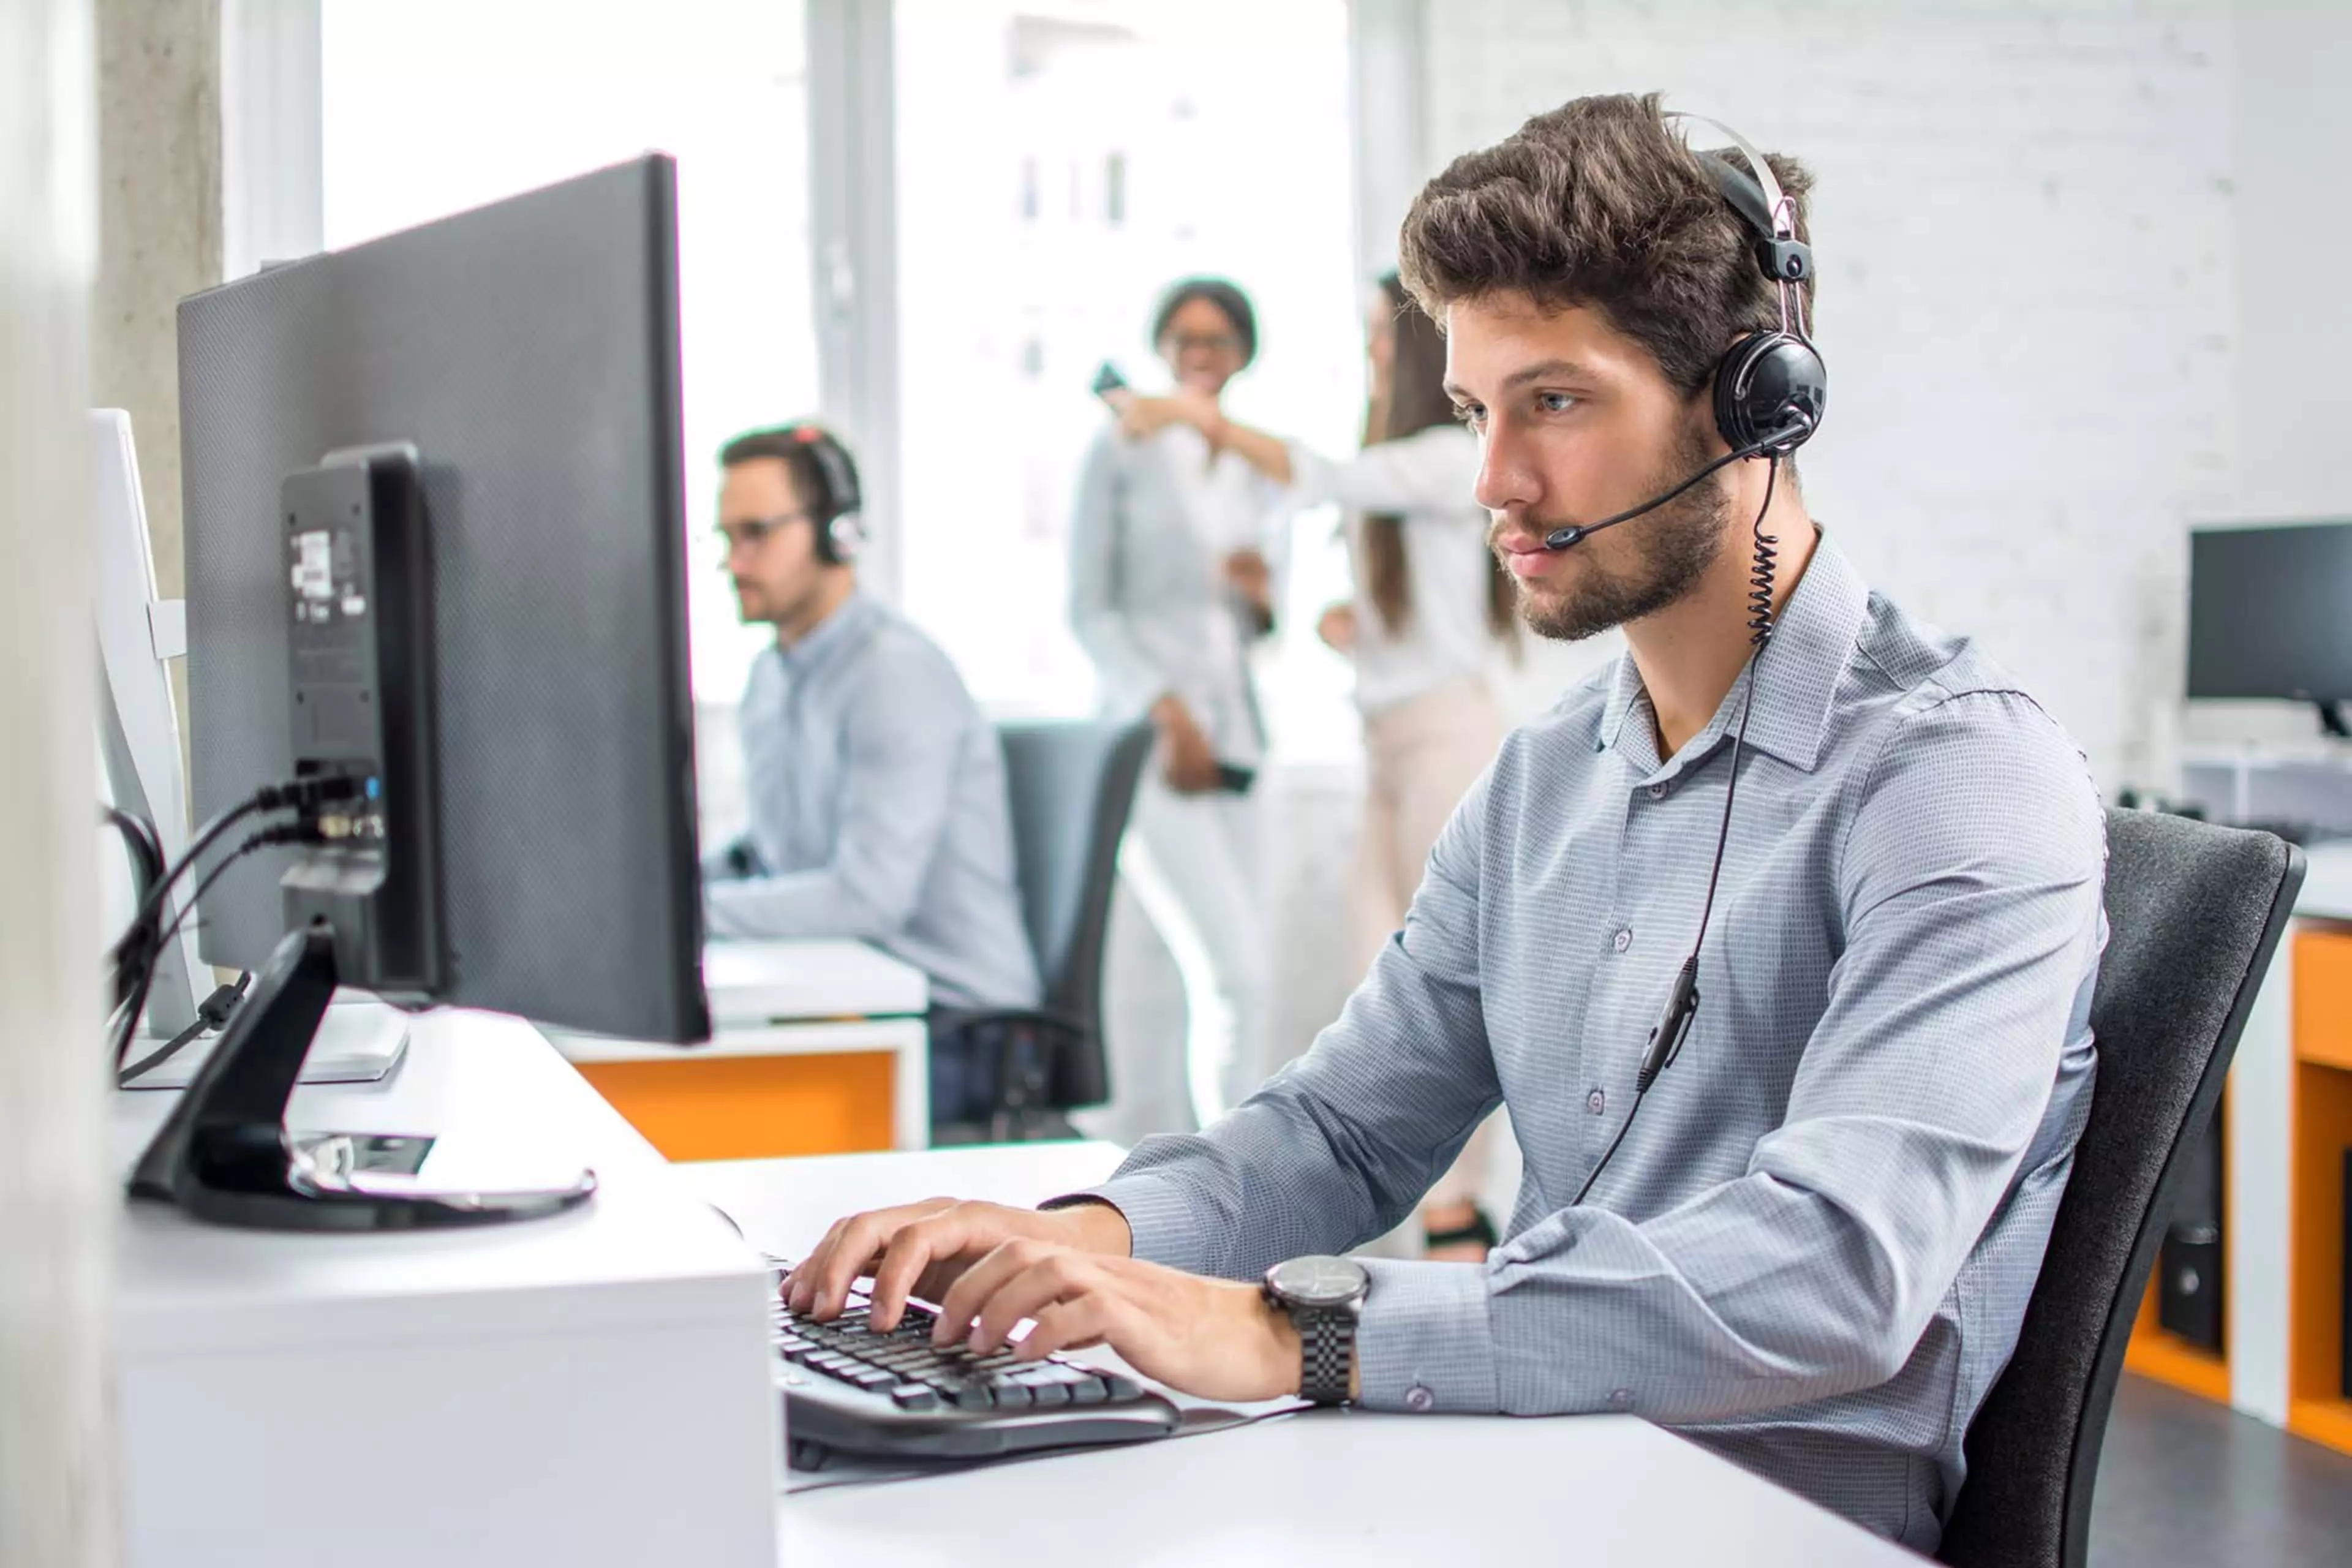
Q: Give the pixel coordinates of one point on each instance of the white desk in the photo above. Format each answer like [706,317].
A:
[1328,1486]
[590,1389]
[780,1012]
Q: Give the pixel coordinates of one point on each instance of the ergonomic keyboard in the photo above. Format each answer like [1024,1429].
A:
[852,1393]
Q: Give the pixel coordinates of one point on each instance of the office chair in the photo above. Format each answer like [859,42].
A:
[1072,786]
[2194,914]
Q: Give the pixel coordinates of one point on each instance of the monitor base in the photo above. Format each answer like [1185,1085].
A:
[224,1154]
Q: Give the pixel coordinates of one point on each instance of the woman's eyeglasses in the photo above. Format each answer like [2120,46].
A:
[1207,342]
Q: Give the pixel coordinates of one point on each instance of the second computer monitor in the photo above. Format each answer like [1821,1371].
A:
[2267,611]
[527,353]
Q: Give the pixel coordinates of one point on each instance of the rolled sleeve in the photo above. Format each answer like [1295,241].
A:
[1423,1343]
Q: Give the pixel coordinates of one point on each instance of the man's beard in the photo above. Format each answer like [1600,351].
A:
[1678,543]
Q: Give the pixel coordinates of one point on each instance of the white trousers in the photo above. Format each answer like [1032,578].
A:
[1193,864]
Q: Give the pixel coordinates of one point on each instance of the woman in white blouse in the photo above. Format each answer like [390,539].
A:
[1173,554]
[1432,613]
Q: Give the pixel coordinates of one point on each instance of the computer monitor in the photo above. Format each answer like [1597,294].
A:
[138,734]
[2267,615]
[436,569]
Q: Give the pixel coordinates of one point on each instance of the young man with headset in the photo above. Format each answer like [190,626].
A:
[1815,1252]
[876,789]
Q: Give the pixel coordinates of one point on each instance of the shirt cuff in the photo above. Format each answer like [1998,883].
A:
[1160,1219]
[1423,1343]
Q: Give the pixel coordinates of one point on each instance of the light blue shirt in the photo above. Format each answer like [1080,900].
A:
[878,811]
[1153,523]
[1815,1249]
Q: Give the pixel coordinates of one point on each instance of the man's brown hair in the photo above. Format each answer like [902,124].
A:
[1599,203]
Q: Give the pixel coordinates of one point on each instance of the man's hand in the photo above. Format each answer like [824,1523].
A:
[922,1248]
[1189,765]
[1213,1338]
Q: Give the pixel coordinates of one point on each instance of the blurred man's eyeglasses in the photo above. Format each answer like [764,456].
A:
[753,532]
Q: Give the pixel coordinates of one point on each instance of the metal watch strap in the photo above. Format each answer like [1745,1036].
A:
[1326,1352]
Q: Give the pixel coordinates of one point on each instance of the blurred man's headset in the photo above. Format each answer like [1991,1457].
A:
[837,505]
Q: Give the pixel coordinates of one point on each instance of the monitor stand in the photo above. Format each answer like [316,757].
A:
[224,1154]
[2331,718]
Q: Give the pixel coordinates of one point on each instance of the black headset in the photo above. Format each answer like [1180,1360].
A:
[835,508]
[1770,387]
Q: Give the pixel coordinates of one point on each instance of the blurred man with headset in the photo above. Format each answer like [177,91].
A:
[878,793]
[1814,1253]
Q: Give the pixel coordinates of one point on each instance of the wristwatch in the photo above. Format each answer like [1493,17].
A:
[1323,1297]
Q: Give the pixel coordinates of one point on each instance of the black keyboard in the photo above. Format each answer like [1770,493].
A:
[852,1393]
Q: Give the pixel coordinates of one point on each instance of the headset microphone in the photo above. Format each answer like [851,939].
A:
[1776,442]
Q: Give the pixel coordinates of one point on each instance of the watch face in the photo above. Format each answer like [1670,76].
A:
[1318,1281]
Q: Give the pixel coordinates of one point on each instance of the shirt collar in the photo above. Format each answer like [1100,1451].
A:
[835,634]
[1808,654]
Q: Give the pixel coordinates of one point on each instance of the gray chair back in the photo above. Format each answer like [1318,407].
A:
[1072,786]
[2195,913]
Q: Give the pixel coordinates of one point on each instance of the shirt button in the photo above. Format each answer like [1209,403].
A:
[1620,1399]
[1622,940]
[1419,1399]
[1657,791]
[1596,1103]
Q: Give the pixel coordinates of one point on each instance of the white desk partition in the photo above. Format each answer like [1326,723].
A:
[588,1390]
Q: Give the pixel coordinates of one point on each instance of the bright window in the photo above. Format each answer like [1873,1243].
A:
[433,106]
[1058,165]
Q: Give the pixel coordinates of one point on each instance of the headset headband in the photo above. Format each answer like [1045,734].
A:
[1786,259]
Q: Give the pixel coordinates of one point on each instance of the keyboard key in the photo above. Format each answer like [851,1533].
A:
[1011,1396]
[1047,1392]
[1121,1387]
[1088,1391]
[914,1397]
[974,1395]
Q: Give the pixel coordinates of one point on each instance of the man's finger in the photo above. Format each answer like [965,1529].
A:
[911,1254]
[800,1291]
[1083,1320]
[849,1250]
[982,1279]
[1056,1277]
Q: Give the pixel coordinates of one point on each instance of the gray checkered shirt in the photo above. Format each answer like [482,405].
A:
[1814,1252]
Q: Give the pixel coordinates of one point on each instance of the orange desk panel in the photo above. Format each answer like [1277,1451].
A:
[754,1108]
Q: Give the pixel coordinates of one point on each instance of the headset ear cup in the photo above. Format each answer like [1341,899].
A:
[840,540]
[1767,383]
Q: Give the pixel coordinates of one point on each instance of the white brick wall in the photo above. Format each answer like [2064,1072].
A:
[2024,223]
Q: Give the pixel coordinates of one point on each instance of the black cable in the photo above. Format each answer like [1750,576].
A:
[146,848]
[1683,1007]
[142,944]
[1763,567]
[1611,1153]
[212,1015]
[298,794]
[127,1022]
